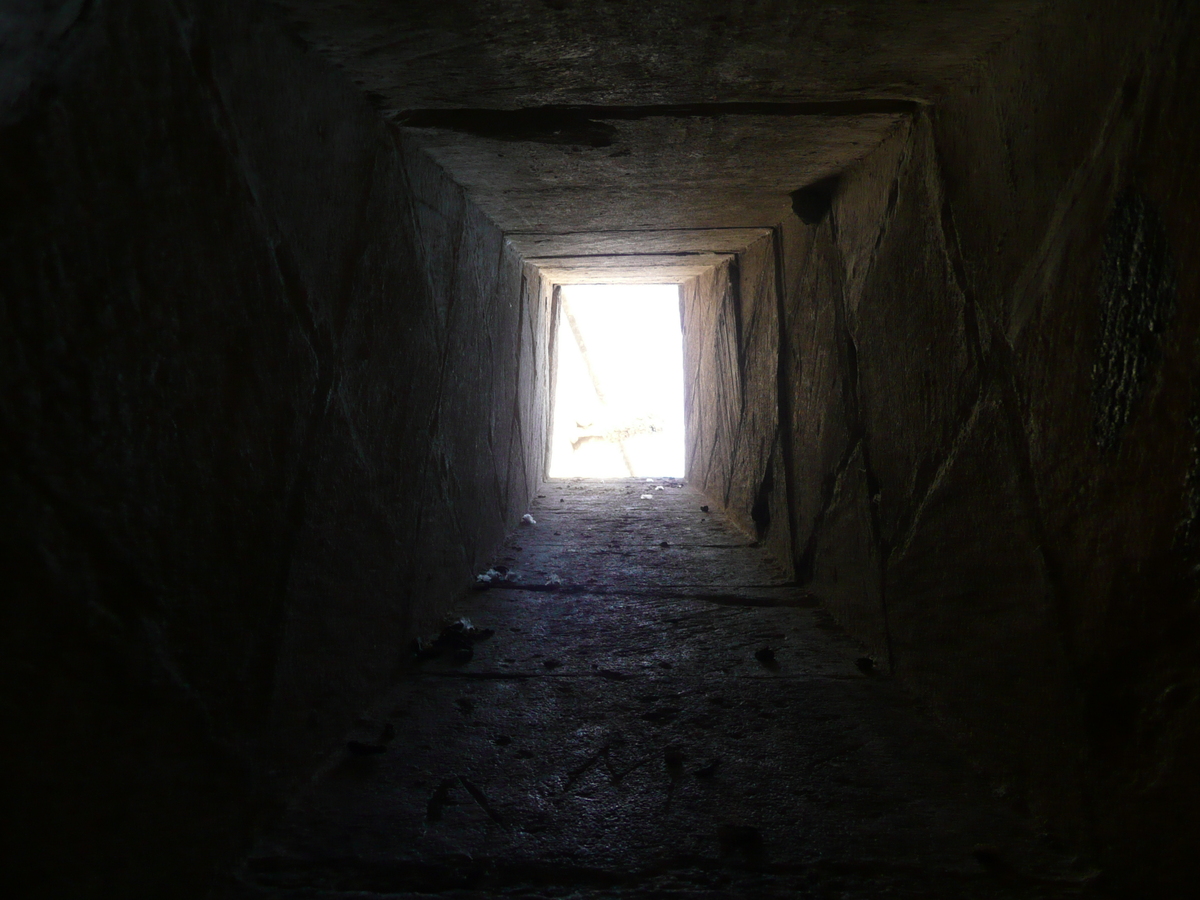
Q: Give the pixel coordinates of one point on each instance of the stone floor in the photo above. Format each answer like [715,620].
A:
[657,713]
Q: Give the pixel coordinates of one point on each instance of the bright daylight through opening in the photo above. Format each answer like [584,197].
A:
[618,399]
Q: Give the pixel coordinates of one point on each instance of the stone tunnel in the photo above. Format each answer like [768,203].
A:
[278,287]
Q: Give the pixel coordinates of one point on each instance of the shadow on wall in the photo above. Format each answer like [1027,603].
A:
[237,474]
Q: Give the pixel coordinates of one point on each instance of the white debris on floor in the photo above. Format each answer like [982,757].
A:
[494,576]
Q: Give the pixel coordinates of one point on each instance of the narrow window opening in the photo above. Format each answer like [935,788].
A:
[618,397]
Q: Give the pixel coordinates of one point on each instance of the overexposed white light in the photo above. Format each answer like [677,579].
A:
[618,400]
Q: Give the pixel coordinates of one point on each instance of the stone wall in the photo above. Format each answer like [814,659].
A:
[272,389]
[731,372]
[990,404]
[1086,291]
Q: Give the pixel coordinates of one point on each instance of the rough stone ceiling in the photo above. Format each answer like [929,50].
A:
[630,140]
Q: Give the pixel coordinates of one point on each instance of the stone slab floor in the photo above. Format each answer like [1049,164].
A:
[623,734]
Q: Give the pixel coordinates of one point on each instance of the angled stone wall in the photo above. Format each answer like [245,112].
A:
[731,373]
[272,389]
[988,361]
[1086,152]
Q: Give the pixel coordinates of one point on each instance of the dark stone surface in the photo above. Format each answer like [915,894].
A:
[1128,602]
[847,571]
[815,375]
[911,330]
[528,53]
[687,742]
[752,471]
[632,244]
[731,364]
[641,267]
[1137,304]
[663,172]
[712,379]
[967,252]
[968,617]
[272,383]
[271,389]
[684,115]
